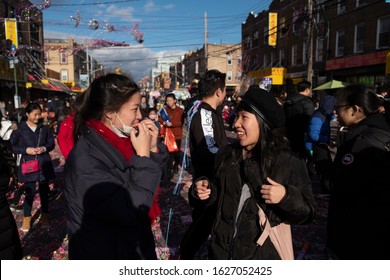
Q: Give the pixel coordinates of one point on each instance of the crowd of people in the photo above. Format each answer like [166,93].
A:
[119,149]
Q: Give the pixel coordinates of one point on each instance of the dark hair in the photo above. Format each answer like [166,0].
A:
[106,93]
[302,86]
[151,110]
[362,96]
[383,88]
[32,106]
[210,82]
[171,95]
[269,145]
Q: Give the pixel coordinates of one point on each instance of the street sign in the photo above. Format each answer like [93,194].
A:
[266,81]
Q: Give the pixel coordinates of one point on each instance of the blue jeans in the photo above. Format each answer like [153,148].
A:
[30,192]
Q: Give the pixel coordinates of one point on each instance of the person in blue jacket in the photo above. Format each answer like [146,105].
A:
[33,141]
[318,135]
[112,174]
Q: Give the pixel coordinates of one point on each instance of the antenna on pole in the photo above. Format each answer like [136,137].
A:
[205,40]
[310,41]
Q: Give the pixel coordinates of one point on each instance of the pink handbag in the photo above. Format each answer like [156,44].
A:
[31,166]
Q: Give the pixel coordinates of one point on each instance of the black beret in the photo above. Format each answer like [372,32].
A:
[265,106]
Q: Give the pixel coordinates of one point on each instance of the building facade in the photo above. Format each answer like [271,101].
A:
[29,55]
[223,57]
[349,39]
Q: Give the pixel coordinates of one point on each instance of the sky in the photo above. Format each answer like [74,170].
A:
[170,27]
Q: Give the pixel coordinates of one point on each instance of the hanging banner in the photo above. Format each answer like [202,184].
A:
[388,63]
[11,31]
[272,28]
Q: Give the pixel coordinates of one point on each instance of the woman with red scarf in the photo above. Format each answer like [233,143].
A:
[112,174]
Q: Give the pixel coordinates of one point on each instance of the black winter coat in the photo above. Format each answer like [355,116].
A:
[298,109]
[358,220]
[24,137]
[233,173]
[10,248]
[108,200]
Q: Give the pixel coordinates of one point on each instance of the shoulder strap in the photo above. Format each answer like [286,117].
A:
[8,129]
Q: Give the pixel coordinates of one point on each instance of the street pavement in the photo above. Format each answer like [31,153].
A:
[52,243]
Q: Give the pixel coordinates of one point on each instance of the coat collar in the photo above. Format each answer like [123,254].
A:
[106,148]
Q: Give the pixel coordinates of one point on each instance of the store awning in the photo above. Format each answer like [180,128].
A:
[46,84]
[57,85]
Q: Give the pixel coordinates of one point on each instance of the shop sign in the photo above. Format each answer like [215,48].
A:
[272,29]
[356,61]
[11,31]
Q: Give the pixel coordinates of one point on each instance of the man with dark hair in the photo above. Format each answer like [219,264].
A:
[175,123]
[298,108]
[207,136]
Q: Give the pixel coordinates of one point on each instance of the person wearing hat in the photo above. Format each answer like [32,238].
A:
[260,185]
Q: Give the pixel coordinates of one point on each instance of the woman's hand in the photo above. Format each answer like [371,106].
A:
[273,193]
[40,150]
[201,189]
[153,130]
[31,151]
[141,142]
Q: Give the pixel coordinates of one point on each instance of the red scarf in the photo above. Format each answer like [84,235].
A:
[123,145]
[126,149]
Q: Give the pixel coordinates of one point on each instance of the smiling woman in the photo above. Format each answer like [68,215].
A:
[258,182]
[112,174]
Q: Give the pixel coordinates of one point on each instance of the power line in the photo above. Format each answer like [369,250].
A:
[94,3]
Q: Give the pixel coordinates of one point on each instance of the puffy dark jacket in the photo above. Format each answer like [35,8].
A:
[358,220]
[298,109]
[108,200]
[319,125]
[10,248]
[24,137]
[234,234]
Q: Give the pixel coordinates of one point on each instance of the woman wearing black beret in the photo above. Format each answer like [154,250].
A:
[261,188]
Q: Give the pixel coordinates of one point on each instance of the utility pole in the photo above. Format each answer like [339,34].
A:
[310,41]
[88,74]
[176,76]
[205,41]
